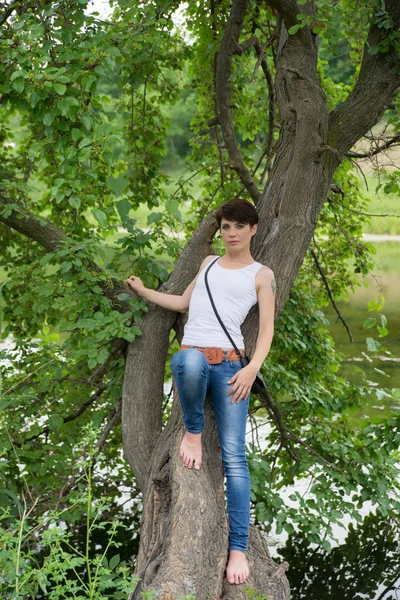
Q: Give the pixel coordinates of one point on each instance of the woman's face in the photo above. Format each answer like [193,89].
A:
[237,235]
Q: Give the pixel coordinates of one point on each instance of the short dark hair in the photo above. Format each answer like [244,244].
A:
[239,210]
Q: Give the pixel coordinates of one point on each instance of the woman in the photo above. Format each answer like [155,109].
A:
[207,362]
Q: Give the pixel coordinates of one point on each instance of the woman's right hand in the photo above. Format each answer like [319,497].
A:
[136,284]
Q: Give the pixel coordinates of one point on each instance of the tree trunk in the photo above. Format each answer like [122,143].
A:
[184,532]
[184,536]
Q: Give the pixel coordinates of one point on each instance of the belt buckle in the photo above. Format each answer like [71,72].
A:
[214,355]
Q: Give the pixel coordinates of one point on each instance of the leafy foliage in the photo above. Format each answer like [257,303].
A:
[88,114]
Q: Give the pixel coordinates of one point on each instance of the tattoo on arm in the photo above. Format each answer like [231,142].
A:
[273,286]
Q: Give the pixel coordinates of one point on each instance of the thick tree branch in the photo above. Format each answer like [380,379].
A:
[271,103]
[46,234]
[376,86]
[289,9]
[216,123]
[33,227]
[230,45]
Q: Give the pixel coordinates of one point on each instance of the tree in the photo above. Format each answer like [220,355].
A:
[85,95]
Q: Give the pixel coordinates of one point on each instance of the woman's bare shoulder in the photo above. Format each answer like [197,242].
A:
[207,260]
[265,279]
[265,272]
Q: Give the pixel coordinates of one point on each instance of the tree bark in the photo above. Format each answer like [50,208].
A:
[184,533]
[184,529]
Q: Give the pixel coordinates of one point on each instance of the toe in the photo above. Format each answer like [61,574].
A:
[231,578]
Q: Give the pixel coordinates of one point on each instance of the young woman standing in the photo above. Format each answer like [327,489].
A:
[207,361]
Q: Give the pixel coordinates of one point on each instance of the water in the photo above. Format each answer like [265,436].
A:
[365,561]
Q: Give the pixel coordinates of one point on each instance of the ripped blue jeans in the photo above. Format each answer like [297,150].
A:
[194,378]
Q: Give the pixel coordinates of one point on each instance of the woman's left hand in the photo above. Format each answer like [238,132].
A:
[242,382]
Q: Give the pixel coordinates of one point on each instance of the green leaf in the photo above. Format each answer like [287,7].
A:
[155,217]
[117,185]
[100,217]
[368,323]
[84,143]
[75,134]
[60,88]
[48,119]
[19,85]
[123,207]
[65,266]
[372,344]
[34,99]
[19,73]
[376,304]
[89,324]
[114,561]
[317,29]
[74,201]
[55,422]
[86,122]
[293,29]
[124,297]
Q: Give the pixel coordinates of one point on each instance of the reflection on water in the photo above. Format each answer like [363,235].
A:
[365,567]
[385,281]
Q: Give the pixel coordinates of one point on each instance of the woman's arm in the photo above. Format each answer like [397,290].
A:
[266,306]
[168,301]
[243,380]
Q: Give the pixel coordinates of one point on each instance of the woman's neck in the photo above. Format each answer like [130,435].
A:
[242,257]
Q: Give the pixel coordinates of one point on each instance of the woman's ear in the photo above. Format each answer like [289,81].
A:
[254,229]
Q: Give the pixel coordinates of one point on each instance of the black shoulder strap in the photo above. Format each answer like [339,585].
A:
[214,308]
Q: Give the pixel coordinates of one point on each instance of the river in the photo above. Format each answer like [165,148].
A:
[365,561]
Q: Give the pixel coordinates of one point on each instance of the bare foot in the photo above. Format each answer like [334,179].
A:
[237,570]
[190,450]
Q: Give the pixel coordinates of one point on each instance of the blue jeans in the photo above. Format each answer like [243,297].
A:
[195,377]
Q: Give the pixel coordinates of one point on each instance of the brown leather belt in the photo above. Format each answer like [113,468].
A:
[215,356]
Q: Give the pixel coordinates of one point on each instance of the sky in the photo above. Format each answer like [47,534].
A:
[103,8]
[100,6]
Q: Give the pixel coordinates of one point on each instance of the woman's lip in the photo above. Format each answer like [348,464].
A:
[234,242]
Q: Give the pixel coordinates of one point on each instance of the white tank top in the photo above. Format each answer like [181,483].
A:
[234,293]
